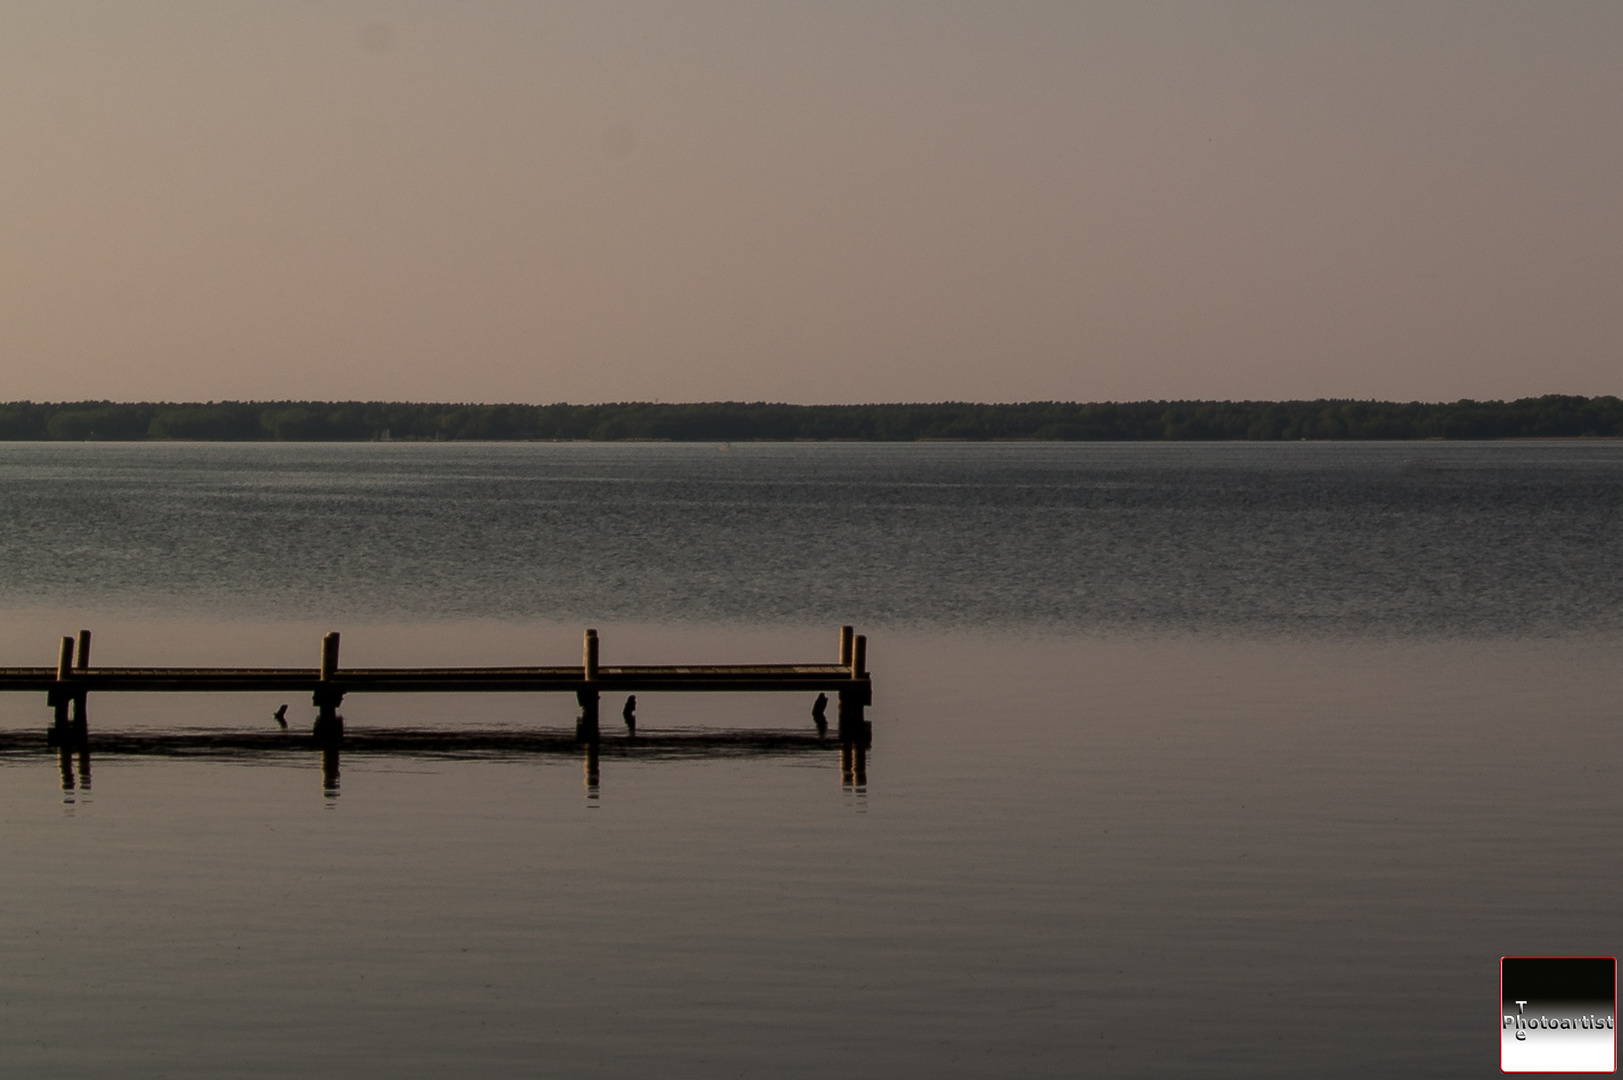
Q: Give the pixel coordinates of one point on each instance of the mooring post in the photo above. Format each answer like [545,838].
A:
[845,645]
[81,714]
[586,725]
[329,725]
[853,728]
[61,733]
[329,656]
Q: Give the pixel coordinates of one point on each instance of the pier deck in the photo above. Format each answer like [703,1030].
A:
[707,678]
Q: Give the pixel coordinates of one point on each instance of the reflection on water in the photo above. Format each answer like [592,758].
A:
[1283,845]
[65,762]
[329,771]
[430,744]
[591,774]
[854,767]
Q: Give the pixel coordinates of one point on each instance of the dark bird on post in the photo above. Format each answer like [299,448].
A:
[629,713]
[281,716]
[820,714]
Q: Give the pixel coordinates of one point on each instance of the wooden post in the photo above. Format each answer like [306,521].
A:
[81,703]
[329,656]
[845,645]
[586,725]
[329,729]
[62,731]
[853,728]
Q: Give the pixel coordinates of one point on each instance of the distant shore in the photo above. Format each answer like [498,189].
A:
[1548,417]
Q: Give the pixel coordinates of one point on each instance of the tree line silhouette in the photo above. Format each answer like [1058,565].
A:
[1551,416]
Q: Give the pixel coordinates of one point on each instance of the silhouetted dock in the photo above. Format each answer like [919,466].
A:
[69,685]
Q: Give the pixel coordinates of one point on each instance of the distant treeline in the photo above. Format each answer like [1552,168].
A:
[1552,416]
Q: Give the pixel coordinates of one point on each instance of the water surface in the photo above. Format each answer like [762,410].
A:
[1222,761]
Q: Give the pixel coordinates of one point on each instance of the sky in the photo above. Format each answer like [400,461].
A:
[820,202]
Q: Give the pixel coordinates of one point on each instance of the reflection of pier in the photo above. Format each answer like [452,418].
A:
[433,744]
[501,744]
[68,687]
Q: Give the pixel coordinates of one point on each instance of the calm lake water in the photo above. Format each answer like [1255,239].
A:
[1188,760]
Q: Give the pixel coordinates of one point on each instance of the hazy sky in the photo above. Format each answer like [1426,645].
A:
[811,202]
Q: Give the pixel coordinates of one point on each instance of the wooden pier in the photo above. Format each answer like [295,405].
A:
[68,685]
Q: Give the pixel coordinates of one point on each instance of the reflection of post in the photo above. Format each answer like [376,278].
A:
[84,766]
[586,725]
[64,757]
[329,770]
[591,772]
[329,725]
[854,767]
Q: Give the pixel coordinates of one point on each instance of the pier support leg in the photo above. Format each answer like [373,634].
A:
[81,700]
[58,697]
[854,729]
[586,725]
[61,731]
[81,719]
[329,729]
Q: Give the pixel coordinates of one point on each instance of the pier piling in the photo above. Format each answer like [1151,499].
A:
[60,694]
[586,728]
[81,697]
[854,729]
[329,729]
